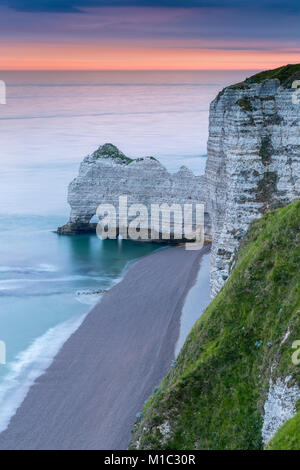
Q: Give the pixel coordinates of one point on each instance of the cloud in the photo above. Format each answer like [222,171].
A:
[113,24]
[77,6]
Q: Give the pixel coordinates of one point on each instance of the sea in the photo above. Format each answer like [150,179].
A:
[51,120]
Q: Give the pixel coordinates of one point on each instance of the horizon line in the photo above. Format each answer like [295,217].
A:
[128,70]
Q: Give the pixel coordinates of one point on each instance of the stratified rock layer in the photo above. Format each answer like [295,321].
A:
[108,173]
[253,161]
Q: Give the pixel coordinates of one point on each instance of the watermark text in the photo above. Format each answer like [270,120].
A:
[2,352]
[296,354]
[2,92]
[164,222]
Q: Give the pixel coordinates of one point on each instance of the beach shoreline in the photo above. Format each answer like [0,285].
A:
[89,396]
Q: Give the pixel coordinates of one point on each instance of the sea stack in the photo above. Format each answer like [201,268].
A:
[107,174]
[253,159]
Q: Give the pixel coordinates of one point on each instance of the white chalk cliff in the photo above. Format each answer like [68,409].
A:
[253,166]
[253,161]
[108,173]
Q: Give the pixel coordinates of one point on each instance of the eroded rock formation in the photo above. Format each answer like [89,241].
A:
[108,173]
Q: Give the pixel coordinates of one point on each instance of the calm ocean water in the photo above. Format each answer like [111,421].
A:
[51,120]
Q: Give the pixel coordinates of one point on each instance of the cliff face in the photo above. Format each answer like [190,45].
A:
[253,159]
[108,173]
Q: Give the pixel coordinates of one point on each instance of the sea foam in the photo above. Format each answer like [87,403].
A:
[31,364]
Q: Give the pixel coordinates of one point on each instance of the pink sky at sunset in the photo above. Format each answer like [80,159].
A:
[32,56]
[71,36]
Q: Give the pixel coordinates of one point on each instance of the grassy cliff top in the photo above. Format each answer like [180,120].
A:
[285,74]
[112,152]
[213,397]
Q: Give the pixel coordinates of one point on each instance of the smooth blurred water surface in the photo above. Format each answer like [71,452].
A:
[53,119]
[50,122]
[46,285]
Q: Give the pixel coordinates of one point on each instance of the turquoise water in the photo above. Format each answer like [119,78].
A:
[41,272]
[46,282]
[51,121]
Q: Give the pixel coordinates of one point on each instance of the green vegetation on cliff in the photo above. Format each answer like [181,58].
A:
[288,436]
[111,151]
[286,74]
[214,395]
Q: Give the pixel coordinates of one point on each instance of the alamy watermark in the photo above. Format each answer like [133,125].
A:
[2,92]
[2,353]
[296,94]
[296,354]
[164,222]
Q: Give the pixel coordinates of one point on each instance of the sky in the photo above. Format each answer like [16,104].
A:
[148,34]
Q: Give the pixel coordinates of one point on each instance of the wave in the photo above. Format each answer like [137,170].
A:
[90,298]
[28,269]
[31,364]
[93,296]
[77,277]
[39,287]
